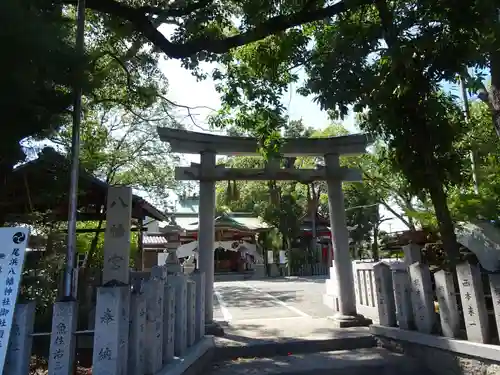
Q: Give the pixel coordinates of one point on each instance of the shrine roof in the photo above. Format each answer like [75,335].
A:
[42,185]
[187,142]
[245,222]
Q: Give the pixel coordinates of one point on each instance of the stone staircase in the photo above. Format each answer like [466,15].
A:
[352,353]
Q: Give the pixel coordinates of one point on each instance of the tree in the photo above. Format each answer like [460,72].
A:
[394,86]
[121,147]
[207,28]
[38,85]
[405,105]
[278,34]
[480,137]
[36,77]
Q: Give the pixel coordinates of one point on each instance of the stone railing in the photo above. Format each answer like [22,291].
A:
[462,305]
[139,329]
[365,288]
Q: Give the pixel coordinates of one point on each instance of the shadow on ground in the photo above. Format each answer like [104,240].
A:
[301,279]
[241,297]
[361,361]
[285,331]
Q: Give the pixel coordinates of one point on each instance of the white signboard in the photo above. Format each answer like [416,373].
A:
[162,258]
[283,257]
[270,257]
[13,242]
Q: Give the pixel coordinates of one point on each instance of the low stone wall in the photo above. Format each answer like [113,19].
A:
[441,355]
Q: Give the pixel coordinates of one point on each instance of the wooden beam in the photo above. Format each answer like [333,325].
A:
[220,173]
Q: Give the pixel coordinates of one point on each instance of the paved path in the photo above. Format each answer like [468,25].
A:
[271,299]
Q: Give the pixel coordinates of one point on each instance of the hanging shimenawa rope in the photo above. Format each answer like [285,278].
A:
[232,192]
[236,192]
[228,192]
[274,194]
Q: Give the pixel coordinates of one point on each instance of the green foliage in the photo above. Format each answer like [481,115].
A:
[37,74]
[480,137]
[293,199]
[122,147]
[38,89]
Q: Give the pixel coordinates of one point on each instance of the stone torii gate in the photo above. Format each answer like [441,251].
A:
[207,172]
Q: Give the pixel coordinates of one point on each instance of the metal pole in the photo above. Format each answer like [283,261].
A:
[472,154]
[75,156]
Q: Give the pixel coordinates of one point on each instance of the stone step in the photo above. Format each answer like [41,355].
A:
[366,361]
[227,349]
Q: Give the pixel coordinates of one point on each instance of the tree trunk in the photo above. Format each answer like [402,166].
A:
[446,227]
[93,244]
[411,110]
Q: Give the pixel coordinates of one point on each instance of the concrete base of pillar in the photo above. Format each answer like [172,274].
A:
[274,270]
[259,271]
[214,329]
[348,321]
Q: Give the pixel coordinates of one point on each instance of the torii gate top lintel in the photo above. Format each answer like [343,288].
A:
[188,142]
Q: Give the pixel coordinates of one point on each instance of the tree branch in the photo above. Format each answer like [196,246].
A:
[140,20]
[399,216]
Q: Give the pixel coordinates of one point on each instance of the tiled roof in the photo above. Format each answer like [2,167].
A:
[188,205]
[154,240]
[239,222]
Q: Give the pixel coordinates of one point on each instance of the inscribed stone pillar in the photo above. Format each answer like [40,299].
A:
[191,312]
[385,296]
[137,333]
[62,338]
[340,242]
[154,292]
[473,302]
[422,297]
[495,297]
[448,306]
[179,283]
[206,232]
[17,361]
[199,279]
[111,332]
[117,235]
[412,254]
[168,324]
[402,297]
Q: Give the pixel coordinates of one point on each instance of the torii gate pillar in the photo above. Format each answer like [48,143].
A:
[342,275]
[206,233]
